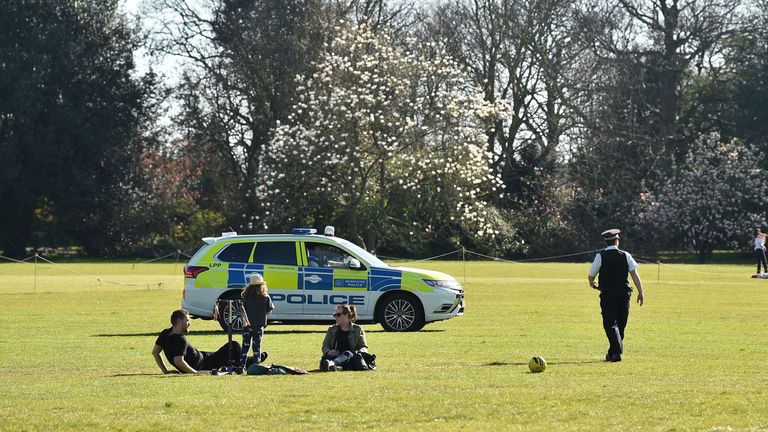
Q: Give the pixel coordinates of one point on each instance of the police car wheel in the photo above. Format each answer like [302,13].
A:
[237,320]
[401,313]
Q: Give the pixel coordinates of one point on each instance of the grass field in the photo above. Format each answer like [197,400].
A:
[75,345]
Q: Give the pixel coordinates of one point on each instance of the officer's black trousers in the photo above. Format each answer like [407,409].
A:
[615,310]
[760,255]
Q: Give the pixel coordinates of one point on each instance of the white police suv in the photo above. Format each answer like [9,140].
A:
[309,274]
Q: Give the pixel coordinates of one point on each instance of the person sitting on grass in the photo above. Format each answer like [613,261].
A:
[182,355]
[344,346]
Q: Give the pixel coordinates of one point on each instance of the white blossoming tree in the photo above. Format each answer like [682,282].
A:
[714,201]
[382,142]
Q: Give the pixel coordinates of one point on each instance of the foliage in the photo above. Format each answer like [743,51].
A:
[614,162]
[714,199]
[168,212]
[383,142]
[93,368]
[72,115]
[730,97]
[240,59]
[666,38]
[550,121]
[522,54]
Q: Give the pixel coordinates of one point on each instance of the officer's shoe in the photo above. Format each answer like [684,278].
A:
[615,358]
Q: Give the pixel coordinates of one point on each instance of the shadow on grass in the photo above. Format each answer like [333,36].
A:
[549,363]
[159,375]
[223,333]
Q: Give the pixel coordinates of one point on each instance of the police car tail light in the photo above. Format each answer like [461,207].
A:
[193,271]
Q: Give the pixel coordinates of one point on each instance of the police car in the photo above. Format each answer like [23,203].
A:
[309,274]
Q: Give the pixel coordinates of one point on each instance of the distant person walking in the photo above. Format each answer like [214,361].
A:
[760,250]
[613,266]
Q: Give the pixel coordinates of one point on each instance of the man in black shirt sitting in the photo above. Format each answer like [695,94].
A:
[182,355]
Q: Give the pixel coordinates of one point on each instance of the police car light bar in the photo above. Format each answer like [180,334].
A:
[303,231]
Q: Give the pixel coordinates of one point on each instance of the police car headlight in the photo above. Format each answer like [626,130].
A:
[445,284]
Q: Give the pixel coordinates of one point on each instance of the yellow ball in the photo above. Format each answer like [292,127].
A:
[537,364]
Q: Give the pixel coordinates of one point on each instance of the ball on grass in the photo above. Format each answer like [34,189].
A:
[537,364]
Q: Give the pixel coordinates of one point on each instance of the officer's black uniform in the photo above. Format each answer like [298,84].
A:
[615,293]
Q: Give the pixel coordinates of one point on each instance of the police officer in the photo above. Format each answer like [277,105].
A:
[613,266]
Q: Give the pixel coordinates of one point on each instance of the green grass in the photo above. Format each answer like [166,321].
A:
[75,345]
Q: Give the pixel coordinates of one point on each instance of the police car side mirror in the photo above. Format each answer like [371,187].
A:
[354,264]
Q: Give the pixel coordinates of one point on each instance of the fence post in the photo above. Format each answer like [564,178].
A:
[464,260]
[178,252]
[34,286]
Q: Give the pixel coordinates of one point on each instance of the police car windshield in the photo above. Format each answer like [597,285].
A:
[362,253]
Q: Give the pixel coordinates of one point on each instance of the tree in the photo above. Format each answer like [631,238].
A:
[521,53]
[384,143]
[72,115]
[613,162]
[240,61]
[666,38]
[731,93]
[713,201]
[525,54]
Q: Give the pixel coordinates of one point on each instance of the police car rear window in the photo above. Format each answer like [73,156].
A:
[236,252]
[279,253]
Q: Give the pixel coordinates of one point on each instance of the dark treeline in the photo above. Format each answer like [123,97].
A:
[520,128]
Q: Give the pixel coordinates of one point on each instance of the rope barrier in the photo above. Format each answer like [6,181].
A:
[684,269]
[462,251]
[97,279]
[159,284]
[559,256]
[488,256]
[160,258]
[529,260]
[422,259]
[24,261]
[594,251]
[64,267]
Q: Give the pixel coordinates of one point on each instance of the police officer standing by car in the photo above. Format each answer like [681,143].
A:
[613,266]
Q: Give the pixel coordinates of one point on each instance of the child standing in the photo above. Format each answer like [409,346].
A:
[257,306]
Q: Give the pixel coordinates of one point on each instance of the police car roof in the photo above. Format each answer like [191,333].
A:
[212,240]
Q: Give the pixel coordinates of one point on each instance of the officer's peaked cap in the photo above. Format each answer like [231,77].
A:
[611,234]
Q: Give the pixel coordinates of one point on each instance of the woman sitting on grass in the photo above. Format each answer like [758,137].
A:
[344,346]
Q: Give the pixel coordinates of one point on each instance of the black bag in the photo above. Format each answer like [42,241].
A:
[362,361]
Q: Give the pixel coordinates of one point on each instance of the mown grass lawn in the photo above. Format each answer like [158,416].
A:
[75,345]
